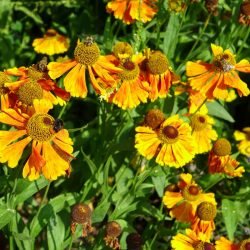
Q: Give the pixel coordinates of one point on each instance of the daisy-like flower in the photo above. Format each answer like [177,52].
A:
[34,83]
[51,146]
[214,79]
[131,89]
[158,73]
[171,144]
[87,57]
[130,11]
[184,198]
[224,244]
[191,241]
[244,139]
[204,219]
[220,160]
[202,130]
[51,43]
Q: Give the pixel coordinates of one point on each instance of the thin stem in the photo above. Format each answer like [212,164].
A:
[62,111]
[200,106]
[84,126]
[11,242]
[244,41]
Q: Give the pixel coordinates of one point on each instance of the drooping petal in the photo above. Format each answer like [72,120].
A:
[56,69]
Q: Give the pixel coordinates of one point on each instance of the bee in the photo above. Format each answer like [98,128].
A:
[89,40]
[42,65]
[58,125]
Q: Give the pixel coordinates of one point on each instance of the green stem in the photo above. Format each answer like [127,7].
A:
[62,111]
[214,183]
[85,126]
[244,41]
[200,106]
[11,242]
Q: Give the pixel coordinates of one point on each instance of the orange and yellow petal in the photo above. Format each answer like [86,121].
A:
[183,212]
[55,165]
[13,152]
[7,137]
[224,244]
[244,147]
[42,106]
[75,82]
[56,69]
[170,199]
[243,66]
[13,117]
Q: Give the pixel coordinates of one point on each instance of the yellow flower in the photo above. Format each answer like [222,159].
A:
[6,99]
[171,144]
[191,241]
[214,79]
[244,139]
[131,89]
[51,145]
[87,57]
[51,43]
[131,10]
[184,200]
[202,130]
[159,74]
[220,160]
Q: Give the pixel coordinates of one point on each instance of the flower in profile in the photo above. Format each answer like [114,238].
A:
[51,43]
[131,89]
[86,57]
[244,15]
[158,73]
[113,231]
[220,160]
[81,214]
[204,219]
[184,198]
[191,241]
[214,79]
[202,130]
[130,11]
[244,138]
[51,146]
[224,244]
[171,144]
[34,83]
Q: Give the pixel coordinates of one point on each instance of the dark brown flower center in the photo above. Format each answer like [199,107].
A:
[245,245]
[157,63]
[206,211]
[222,147]
[198,122]
[191,192]
[154,118]
[130,71]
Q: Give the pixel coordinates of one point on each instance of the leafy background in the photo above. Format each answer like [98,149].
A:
[107,172]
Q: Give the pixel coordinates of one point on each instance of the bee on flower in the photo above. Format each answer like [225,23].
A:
[86,57]
[221,161]
[130,11]
[34,83]
[51,151]
[184,197]
[244,140]
[51,43]
[171,143]
[214,79]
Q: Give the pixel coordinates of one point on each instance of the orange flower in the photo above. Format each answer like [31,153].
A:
[191,241]
[220,160]
[224,244]
[214,79]
[131,89]
[158,73]
[34,83]
[131,10]
[184,199]
[51,43]
[51,145]
[87,57]
[204,219]
[244,138]
[171,143]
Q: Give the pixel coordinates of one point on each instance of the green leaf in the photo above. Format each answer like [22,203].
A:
[217,110]
[100,212]
[6,215]
[55,233]
[54,206]
[29,13]
[159,181]
[25,189]
[233,212]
